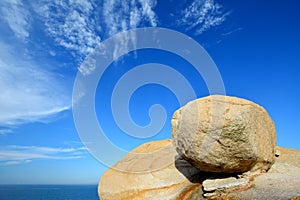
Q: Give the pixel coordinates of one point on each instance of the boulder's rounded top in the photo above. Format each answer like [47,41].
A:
[227,99]
[152,146]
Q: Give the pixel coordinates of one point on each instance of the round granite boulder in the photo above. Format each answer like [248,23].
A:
[224,134]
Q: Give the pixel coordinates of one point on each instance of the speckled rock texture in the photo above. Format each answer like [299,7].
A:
[281,182]
[171,182]
[224,134]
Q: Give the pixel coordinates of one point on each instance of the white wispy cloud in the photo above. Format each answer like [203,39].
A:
[124,15]
[14,162]
[121,16]
[201,15]
[72,24]
[31,92]
[17,17]
[232,31]
[4,131]
[77,25]
[28,92]
[14,154]
[147,11]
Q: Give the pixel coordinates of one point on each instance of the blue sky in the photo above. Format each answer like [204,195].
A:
[255,45]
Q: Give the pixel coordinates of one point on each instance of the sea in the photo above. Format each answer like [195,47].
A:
[48,192]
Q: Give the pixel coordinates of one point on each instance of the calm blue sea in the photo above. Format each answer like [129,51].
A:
[48,192]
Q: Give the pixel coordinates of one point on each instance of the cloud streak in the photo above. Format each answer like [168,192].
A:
[17,17]
[124,15]
[201,15]
[28,93]
[14,154]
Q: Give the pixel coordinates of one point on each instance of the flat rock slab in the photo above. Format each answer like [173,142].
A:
[210,185]
[272,186]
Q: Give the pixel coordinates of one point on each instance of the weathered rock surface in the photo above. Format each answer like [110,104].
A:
[221,146]
[224,134]
[181,181]
[173,181]
[281,182]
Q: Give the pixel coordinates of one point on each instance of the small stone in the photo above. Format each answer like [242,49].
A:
[277,153]
[210,194]
[211,185]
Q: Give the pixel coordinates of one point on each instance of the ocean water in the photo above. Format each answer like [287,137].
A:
[48,192]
